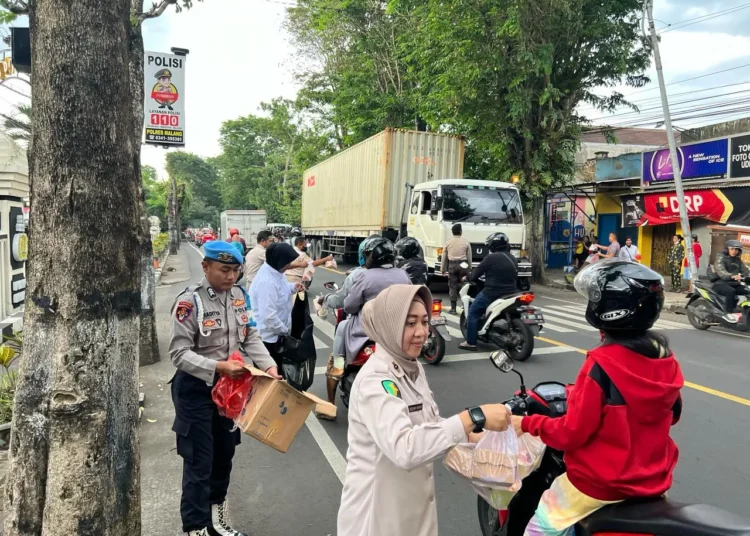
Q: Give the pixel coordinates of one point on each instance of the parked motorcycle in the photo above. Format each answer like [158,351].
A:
[706,308]
[644,517]
[509,323]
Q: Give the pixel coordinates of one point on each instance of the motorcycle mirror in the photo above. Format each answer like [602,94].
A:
[331,286]
[464,265]
[501,360]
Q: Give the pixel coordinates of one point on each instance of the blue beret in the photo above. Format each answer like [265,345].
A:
[220,251]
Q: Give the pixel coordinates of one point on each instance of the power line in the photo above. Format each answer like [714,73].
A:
[704,18]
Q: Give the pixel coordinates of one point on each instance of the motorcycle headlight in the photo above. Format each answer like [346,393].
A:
[516,253]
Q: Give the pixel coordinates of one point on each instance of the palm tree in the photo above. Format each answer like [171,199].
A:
[18,127]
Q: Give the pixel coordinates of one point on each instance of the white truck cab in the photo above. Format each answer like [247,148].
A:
[481,207]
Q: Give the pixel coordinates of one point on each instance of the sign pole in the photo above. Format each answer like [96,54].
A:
[677,171]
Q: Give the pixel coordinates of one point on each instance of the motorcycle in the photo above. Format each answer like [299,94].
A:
[509,323]
[433,350]
[642,517]
[706,308]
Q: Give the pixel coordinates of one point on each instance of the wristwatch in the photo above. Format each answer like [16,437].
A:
[477,417]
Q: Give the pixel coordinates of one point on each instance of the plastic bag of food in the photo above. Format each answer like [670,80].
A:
[230,396]
[321,309]
[496,459]
[530,452]
[331,264]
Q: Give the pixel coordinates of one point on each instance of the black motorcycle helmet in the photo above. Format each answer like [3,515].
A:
[296,232]
[409,248]
[378,252]
[498,242]
[622,295]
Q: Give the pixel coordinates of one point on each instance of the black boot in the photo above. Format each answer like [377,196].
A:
[453,308]
[220,522]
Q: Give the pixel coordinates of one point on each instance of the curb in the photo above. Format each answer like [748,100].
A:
[559,284]
[157,271]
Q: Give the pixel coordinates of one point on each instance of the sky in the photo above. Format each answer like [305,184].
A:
[240,56]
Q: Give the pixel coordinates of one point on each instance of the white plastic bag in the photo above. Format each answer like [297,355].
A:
[331,264]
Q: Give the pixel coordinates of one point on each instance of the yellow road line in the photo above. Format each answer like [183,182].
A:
[691,385]
[332,270]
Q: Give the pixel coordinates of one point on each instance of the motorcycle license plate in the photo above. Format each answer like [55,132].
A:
[437,321]
[532,318]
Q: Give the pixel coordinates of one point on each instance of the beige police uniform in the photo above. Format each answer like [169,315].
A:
[208,326]
[395,433]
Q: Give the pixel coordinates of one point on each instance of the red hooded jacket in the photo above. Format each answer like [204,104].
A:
[615,435]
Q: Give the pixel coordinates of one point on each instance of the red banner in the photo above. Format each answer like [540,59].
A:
[662,208]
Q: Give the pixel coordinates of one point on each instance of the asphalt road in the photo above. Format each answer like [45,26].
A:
[298,492]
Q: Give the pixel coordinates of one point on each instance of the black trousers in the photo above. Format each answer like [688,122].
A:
[729,293]
[206,443]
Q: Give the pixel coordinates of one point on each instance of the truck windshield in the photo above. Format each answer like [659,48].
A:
[486,205]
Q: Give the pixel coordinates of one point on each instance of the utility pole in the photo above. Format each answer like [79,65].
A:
[676,169]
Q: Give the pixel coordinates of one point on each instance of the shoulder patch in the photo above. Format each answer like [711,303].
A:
[183,311]
[391,388]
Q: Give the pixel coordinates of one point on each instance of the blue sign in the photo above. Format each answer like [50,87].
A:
[706,160]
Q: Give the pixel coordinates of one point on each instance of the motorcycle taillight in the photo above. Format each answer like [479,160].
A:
[437,307]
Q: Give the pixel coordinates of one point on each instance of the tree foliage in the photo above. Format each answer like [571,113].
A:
[18,125]
[264,156]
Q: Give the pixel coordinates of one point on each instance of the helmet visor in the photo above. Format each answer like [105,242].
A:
[611,274]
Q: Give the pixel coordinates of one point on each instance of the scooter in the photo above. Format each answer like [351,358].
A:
[706,308]
[645,517]
[509,323]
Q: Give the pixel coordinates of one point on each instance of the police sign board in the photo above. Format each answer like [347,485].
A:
[164,98]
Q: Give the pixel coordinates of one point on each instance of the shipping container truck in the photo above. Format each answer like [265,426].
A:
[405,183]
[248,222]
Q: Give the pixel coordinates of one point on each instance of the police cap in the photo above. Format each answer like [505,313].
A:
[222,252]
[163,73]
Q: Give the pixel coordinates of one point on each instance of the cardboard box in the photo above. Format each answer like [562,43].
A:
[276,411]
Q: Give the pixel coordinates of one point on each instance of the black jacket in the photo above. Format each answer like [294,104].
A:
[727,266]
[416,269]
[501,274]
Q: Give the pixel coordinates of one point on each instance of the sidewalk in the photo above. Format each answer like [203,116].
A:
[674,302]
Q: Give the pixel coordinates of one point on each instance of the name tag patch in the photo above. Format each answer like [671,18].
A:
[415,408]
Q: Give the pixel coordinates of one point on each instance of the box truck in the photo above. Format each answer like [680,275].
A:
[248,222]
[406,183]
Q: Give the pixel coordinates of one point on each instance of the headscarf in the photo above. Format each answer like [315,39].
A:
[279,254]
[384,320]
[239,247]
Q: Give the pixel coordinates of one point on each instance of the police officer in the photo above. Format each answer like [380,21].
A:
[456,252]
[210,321]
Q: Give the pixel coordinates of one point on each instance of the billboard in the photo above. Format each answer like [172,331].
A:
[740,164]
[728,205]
[705,160]
[164,98]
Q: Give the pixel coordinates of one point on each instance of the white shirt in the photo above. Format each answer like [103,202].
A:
[628,253]
[270,294]
[389,487]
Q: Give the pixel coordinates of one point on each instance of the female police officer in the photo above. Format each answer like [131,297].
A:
[395,431]
[210,320]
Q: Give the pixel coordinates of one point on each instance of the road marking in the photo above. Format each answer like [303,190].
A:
[691,385]
[332,270]
[580,326]
[329,449]
[480,355]
[454,332]
[319,343]
[559,329]
[325,326]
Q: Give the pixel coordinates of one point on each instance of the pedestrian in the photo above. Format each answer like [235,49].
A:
[629,252]
[500,270]
[296,274]
[457,251]
[270,294]
[612,250]
[395,430]
[697,253]
[676,254]
[626,398]
[580,253]
[257,256]
[210,321]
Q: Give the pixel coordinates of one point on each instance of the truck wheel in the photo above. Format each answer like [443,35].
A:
[318,249]
[314,249]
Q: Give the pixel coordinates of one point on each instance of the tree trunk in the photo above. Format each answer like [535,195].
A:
[149,343]
[74,446]
[172,215]
[535,237]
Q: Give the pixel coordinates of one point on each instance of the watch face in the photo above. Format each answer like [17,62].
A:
[477,416]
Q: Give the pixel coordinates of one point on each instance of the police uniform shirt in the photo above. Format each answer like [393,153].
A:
[395,433]
[208,326]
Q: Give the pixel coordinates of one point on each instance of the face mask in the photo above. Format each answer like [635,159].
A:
[303,249]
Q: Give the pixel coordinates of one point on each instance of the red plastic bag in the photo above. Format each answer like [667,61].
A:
[229,395]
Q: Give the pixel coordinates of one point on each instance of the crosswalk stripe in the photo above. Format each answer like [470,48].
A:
[584,327]
[568,309]
[454,332]
[319,344]
[558,329]
[480,355]
[556,314]
[660,324]
[324,325]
